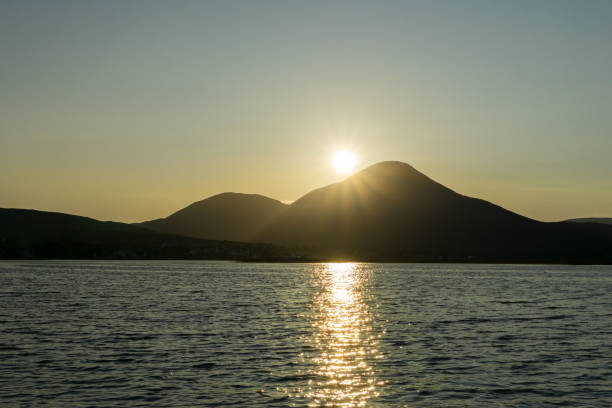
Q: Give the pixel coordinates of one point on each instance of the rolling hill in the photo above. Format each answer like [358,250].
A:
[595,220]
[227,216]
[40,234]
[391,211]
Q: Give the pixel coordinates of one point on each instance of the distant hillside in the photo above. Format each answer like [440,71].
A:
[390,211]
[390,207]
[40,234]
[387,212]
[607,221]
[227,216]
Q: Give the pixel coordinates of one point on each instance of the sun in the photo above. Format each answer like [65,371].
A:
[344,161]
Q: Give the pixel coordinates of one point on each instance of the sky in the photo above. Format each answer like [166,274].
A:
[131,110]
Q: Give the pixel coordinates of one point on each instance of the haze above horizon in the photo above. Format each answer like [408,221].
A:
[129,111]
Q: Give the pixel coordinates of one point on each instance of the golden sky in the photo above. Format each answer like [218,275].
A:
[130,111]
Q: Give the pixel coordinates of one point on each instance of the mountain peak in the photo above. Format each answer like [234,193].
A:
[395,176]
[390,168]
[225,216]
[390,164]
[229,195]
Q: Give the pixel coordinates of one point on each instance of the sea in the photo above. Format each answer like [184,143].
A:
[230,334]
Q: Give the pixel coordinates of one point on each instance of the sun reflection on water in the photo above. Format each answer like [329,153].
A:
[344,340]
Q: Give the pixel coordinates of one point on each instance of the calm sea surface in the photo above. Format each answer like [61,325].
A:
[221,334]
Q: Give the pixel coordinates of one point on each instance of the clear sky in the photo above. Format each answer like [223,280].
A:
[130,110]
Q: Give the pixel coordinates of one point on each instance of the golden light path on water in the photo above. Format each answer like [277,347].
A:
[344,340]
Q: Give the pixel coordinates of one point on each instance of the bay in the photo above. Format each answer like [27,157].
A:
[223,334]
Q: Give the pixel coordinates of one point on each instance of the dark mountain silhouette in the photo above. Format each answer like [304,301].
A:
[227,216]
[41,234]
[389,206]
[390,211]
[594,220]
[387,212]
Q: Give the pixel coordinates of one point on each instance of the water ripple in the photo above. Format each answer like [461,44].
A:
[223,334]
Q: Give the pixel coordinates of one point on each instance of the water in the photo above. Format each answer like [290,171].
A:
[179,334]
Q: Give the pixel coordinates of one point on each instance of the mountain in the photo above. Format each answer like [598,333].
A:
[391,211]
[227,216]
[594,220]
[387,212]
[41,234]
[389,206]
